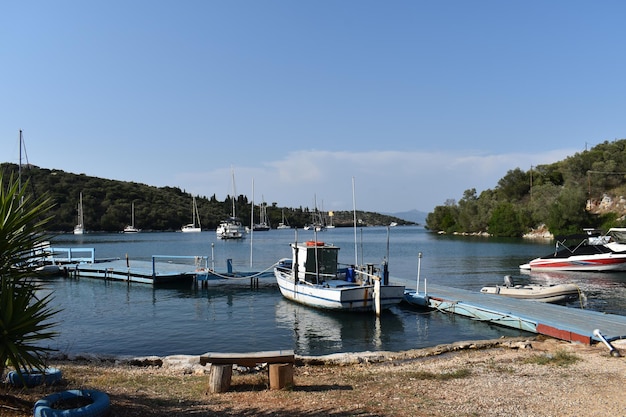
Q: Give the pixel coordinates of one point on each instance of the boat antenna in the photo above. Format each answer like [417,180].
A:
[356,255]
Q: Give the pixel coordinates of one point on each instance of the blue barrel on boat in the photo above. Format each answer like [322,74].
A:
[350,274]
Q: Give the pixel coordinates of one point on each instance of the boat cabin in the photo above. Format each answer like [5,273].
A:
[315,261]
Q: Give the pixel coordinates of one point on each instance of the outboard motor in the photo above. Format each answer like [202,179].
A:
[508,281]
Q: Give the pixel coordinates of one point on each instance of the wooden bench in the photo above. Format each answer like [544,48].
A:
[280,367]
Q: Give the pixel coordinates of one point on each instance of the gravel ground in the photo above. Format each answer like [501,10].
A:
[521,377]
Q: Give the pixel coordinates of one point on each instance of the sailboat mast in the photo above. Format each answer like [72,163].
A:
[232,172]
[19,169]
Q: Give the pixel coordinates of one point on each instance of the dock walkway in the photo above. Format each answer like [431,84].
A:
[553,320]
[162,269]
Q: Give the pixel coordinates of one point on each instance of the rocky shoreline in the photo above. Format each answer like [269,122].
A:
[536,376]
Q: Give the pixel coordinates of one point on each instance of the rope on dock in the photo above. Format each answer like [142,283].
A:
[243,276]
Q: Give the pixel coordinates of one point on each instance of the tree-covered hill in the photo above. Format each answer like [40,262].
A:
[583,190]
[107,204]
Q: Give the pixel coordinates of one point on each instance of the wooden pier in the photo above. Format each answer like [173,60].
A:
[565,323]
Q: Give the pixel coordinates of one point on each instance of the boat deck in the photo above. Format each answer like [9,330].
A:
[553,320]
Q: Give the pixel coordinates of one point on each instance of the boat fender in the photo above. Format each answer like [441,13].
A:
[314,243]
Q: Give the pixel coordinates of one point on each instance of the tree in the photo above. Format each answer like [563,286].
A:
[505,221]
[25,317]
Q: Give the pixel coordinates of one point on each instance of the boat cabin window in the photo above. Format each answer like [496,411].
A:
[326,264]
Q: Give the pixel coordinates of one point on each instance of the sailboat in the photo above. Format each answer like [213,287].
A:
[231,228]
[284,224]
[331,214]
[263,224]
[131,228]
[79,229]
[191,227]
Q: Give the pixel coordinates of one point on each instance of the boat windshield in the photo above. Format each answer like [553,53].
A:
[617,235]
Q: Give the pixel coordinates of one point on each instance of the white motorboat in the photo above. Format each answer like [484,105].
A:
[231,228]
[559,293]
[195,217]
[313,278]
[595,252]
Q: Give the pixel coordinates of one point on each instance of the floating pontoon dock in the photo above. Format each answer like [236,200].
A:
[565,323]
[162,269]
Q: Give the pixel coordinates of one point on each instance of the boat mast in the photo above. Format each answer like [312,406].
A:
[19,168]
[232,171]
[356,256]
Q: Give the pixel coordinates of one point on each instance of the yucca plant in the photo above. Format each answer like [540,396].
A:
[25,317]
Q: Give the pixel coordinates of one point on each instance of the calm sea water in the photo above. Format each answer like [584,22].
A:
[119,319]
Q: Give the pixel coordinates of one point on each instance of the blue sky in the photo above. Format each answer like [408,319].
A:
[418,101]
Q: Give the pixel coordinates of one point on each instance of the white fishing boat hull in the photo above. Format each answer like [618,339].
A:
[560,293]
[337,294]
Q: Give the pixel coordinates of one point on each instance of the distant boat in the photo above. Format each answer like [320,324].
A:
[317,220]
[263,224]
[284,224]
[131,228]
[330,216]
[195,217]
[231,228]
[79,229]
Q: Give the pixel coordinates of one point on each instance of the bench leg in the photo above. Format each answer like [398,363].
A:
[219,378]
[281,375]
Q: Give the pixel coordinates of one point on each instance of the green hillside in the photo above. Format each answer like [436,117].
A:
[583,190]
[107,204]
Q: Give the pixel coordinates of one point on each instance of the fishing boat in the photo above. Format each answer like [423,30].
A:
[195,217]
[594,252]
[559,293]
[79,229]
[231,228]
[131,227]
[313,277]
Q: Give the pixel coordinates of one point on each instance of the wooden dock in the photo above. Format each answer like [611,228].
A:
[565,323]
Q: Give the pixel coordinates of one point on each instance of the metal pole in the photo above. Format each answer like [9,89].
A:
[419,265]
